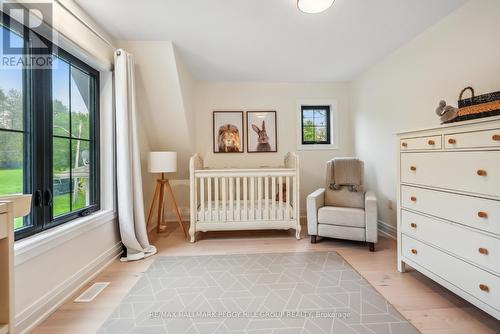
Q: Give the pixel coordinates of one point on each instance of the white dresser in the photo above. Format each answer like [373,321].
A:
[449,208]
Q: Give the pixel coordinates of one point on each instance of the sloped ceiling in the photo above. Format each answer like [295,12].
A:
[270,40]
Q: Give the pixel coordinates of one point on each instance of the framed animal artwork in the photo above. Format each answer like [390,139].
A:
[228,132]
[262,132]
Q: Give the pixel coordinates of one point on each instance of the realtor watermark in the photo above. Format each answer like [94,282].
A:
[28,39]
[248,315]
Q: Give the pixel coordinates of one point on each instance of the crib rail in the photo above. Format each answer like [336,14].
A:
[244,198]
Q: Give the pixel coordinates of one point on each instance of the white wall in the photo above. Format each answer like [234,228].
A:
[44,280]
[283,98]
[402,91]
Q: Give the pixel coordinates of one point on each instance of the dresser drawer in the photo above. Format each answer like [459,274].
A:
[421,143]
[471,279]
[3,226]
[472,172]
[476,212]
[475,247]
[477,139]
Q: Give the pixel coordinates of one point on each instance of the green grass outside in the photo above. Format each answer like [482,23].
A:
[11,181]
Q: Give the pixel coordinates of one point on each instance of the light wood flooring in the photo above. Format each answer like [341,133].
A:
[427,305]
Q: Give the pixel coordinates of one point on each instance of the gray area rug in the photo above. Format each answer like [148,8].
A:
[311,293]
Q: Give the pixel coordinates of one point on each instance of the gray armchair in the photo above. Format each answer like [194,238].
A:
[343,209]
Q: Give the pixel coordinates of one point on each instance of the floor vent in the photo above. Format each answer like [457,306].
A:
[92,292]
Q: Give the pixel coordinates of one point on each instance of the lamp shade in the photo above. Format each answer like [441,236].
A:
[162,162]
[314,6]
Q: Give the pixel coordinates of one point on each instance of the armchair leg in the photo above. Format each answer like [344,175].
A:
[371,245]
[313,239]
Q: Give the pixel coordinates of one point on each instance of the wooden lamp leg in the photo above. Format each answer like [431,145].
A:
[175,209]
[160,207]
[153,201]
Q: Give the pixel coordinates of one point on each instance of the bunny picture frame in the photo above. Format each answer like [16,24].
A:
[262,132]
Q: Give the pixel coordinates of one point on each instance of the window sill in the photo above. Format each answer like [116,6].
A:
[317,147]
[40,243]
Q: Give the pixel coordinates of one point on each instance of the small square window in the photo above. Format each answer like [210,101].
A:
[316,125]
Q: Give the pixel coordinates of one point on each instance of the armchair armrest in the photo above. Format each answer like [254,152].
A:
[371,217]
[315,201]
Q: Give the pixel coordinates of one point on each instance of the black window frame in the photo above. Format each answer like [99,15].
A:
[325,108]
[38,136]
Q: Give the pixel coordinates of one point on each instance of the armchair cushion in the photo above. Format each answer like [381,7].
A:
[345,198]
[350,217]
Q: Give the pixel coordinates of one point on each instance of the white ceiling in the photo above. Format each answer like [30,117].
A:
[270,40]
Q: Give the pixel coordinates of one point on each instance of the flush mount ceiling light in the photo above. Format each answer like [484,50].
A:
[314,6]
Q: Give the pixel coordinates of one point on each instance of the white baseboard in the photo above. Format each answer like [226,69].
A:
[387,230]
[37,312]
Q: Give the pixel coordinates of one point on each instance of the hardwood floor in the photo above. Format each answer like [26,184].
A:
[427,305]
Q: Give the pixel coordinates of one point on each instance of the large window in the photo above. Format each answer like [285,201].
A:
[49,134]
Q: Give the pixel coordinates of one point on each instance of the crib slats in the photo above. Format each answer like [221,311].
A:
[273,198]
[194,197]
[223,200]
[216,196]
[245,198]
[202,198]
[266,198]
[209,198]
[259,198]
[287,207]
[231,199]
[280,196]
[238,196]
[294,199]
[252,198]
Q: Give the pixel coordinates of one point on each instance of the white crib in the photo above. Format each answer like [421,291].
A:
[244,199]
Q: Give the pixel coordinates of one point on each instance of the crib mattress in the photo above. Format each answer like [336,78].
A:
[279,214]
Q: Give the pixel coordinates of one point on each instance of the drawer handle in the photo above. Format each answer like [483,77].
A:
[481,172]
[452,141]
[414,251]
[431,142]
[482,214]
[413,168]
[404,144]
[496,137]
[484,287]
[413,225]
[483,251]
[413,199]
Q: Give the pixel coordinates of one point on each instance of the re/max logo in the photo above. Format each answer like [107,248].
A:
[27,19]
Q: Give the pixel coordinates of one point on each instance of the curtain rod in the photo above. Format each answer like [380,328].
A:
[88,26]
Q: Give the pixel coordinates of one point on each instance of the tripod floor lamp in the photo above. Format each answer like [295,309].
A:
[163,162]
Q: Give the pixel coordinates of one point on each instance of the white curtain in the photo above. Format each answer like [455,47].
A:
[128,172]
